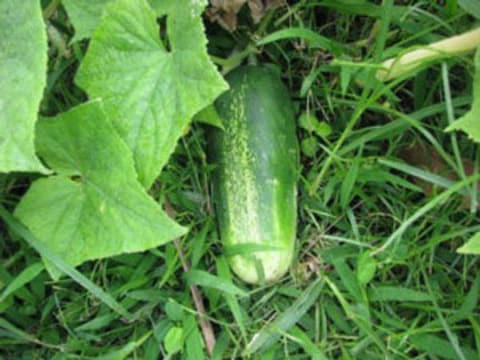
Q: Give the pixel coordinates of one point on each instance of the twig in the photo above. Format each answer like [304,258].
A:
[205,325]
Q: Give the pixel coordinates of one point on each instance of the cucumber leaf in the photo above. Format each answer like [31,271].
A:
[209,116]
[471,7]
[84,15]
[472,246]
[151,88]
[94,206]
[469,123]
[23,59]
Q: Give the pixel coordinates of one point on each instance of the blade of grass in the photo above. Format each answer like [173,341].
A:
[367,98]
[419,173]
[125,350]
[232,302]
[400,125]
[397,293]
[451,337]
[436,201]
[364,324]
[19,334]
[203,278]
[476,331]
[309,347]
[22,279]
[460,169]
[66,268]
[269,335]
[437,347]
[315,40]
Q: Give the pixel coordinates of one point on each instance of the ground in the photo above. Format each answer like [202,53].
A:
[376,273]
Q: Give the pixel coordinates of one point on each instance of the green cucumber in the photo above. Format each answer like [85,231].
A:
[255,178]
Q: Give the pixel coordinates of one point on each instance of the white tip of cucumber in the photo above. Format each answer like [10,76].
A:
[275,264]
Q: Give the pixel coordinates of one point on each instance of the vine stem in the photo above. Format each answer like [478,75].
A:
[409,60]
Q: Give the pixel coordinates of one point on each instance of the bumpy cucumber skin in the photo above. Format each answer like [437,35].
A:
[255,180]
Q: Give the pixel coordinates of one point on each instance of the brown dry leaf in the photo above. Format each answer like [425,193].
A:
[231,6]
[225,11]
[259,8]
[427,158]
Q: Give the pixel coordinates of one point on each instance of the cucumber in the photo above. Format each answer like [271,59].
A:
[255,174]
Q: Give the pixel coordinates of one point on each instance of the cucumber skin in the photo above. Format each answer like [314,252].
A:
[255,179]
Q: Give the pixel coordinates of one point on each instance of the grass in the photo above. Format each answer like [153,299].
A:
[415,299]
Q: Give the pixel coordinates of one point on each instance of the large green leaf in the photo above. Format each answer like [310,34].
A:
[150,91]
[93,207]
[470,122]
[23,59]
[471,7]
[84,15]
[472,246]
